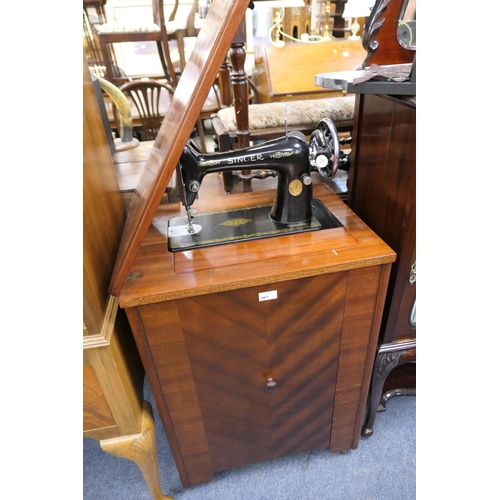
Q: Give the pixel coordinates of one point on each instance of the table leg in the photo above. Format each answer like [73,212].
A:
[239,82]
[141,449]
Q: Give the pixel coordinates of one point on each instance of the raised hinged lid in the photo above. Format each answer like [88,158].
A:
[212,44]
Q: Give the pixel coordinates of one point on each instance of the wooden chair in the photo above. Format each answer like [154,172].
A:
[94,15]
[158,31]
[182,35]
[150,101]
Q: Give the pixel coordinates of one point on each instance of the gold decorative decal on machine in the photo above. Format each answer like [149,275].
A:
[235,222]
[281,154]
[209,163]
[295,187]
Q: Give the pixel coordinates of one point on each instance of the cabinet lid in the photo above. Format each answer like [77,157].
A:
[212,44]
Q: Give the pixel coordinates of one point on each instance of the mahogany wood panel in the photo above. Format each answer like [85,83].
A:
[208,359]
[362,317]
[382,191]
[169,373]
[405,293]
[96,412]
[241,342]
[212,44]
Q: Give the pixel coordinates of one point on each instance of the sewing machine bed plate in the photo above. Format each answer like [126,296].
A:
[242,224]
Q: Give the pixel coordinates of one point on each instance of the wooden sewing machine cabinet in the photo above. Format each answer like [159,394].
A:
[214,324]
[257,349]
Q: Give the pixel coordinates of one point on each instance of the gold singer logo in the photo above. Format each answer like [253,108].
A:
[235,222]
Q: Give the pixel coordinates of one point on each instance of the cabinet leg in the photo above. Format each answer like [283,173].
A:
[384,364]
[141,449]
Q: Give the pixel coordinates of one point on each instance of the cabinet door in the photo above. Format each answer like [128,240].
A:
[236,342]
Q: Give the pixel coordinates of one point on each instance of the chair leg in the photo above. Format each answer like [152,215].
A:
[201,133]
[167,65]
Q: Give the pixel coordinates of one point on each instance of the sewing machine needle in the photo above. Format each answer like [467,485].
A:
[189,220]
[182,191]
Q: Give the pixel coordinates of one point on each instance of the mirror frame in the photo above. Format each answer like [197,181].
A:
[380,35]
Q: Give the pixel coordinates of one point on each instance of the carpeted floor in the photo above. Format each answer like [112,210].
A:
[383,467]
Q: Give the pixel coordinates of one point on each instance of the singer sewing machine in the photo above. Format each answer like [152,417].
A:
[294,209]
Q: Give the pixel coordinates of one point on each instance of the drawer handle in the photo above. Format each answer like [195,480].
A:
[271,385]
[413,273]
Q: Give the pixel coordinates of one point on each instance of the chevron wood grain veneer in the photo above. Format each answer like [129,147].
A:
[238,380]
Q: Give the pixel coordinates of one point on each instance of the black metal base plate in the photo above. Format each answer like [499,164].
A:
[230,226]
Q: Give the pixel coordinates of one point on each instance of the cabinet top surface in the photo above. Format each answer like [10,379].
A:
[164,275]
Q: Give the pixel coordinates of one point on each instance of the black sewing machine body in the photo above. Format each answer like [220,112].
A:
[292,157]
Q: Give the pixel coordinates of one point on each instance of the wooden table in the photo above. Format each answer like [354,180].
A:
[210,344]
[287,73]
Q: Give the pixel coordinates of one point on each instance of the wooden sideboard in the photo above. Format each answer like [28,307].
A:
[114,411]
[287,73]
[382,191]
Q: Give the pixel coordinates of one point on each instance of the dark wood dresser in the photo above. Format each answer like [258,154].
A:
[382,192]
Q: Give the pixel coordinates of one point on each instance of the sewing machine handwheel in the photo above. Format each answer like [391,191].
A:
[324,148]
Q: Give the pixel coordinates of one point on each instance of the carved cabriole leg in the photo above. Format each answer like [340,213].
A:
[239,83]
[387,359]
[141,449]
[384,364]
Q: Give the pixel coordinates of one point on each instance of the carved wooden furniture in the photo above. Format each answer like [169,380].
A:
[380,34]
[238,378]
[382,192]
[114,411]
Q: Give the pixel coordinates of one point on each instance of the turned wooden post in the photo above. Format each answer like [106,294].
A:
[225,83]
[226,101]
[239,83]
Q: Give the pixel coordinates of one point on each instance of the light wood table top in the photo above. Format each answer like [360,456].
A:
[287,73]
